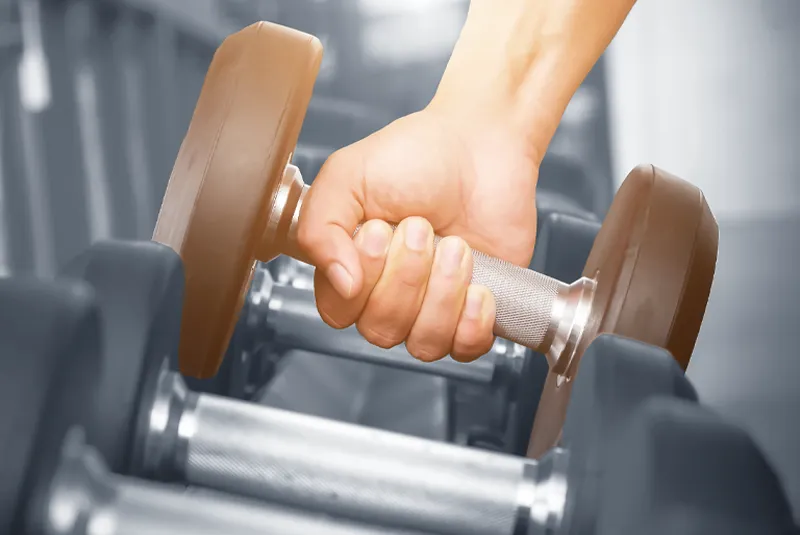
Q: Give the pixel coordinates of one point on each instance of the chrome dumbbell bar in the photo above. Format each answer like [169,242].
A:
[83,498]
[374,476]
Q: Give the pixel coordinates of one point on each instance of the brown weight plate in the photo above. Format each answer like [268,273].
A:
[214,213]
[654,262]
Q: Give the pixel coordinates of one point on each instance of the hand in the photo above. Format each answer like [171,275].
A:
[470,181]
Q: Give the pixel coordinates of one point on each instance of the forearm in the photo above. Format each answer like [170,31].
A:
[524,59]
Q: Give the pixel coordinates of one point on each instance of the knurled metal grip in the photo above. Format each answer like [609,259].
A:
[532,309]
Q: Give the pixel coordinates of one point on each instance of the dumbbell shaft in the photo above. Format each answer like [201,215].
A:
[293,321]
[380,477]
[532,309]
[84,499]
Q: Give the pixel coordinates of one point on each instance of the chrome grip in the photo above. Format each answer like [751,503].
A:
[374,476]
[524,299]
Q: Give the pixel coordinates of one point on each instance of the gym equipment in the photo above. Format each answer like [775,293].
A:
[53,482]
[563,246]
[336,468]
[41,391]
[379,477]
[232,199]
[562,249]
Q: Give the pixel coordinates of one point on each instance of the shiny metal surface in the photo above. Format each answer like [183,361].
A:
[365,474]
[84,499]
[571,311]
[165,428]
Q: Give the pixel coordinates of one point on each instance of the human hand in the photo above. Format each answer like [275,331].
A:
[472,182]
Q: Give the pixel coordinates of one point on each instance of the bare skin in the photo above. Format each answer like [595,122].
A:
[465,168]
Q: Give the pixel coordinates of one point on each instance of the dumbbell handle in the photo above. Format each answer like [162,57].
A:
[343,469]
[532,309]
[84,499]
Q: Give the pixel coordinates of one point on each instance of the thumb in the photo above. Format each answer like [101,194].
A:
[329,216]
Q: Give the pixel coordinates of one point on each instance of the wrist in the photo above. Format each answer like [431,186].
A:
[493,72]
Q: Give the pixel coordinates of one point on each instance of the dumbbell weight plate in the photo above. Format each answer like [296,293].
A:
[227,174]
[653,260]
[232,200]
[139,288]
[48,371]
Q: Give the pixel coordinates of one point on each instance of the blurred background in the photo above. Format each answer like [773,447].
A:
[95,96]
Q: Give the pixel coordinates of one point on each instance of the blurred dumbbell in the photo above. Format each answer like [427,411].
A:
[565,184]
[53,482]
[380,478]
[232,200]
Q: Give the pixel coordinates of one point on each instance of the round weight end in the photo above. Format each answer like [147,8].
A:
[653,261]
[227,174]
[49,368]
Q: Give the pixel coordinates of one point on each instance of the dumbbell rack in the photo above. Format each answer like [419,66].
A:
[638,455]
[600,435]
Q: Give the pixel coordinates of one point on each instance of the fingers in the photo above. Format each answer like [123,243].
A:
[431,337]
[372,243]
[329,216]
[396,299]
[474,334]
[392,285]
[424,297]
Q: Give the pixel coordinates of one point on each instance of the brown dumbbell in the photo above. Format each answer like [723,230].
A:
[234,199]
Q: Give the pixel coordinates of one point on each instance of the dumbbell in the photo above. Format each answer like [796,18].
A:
[144,413]
[232,200]
[515,373]
[507,382]
[386,479]
[53,482]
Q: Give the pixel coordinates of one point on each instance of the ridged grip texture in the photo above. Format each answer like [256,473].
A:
[524,298]
[352,471]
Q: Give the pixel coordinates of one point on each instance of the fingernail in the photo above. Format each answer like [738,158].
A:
[417,234]
[374,240]
[474,306]
[341,279]
[451,256]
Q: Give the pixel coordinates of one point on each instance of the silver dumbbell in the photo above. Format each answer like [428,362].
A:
[339,468]
[83,498]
